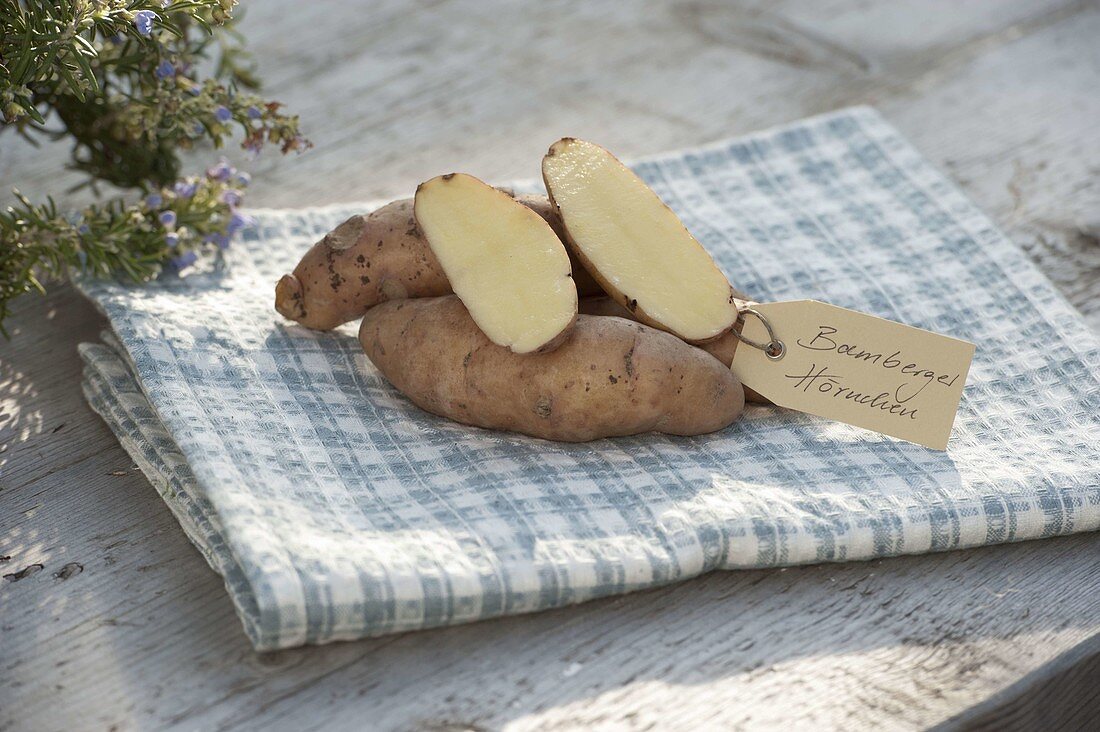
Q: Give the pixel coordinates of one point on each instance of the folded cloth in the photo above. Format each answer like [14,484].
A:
[336,509]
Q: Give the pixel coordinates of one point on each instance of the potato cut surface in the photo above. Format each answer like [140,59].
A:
[634,245]
[503,260]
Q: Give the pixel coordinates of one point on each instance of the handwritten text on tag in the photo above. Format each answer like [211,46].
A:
[855,368]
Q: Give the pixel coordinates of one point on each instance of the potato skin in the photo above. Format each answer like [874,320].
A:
[378,257]
[722,347]
[612,377]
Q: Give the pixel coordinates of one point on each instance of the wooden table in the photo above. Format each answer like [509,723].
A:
[109,619]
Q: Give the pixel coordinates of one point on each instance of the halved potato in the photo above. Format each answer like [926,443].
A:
[634,245]
[503,260]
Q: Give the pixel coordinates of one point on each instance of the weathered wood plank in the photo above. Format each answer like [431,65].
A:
[56,325]
[1061,695]
[142,635]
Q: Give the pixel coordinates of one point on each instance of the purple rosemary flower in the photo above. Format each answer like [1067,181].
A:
[244,179]
[183,261]
[154,200]
[237,222]
[232,198]
[222,114]
[143,21]
[185,188]
[254,113]
[167,219]
[172,239]
[222,170]
[165,69]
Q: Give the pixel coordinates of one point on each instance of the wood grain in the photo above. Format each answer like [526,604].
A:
[1063,694]
[124,625]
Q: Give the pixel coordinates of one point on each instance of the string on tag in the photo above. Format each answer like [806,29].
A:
[774,349]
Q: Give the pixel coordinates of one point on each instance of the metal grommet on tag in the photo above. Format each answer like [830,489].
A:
[774,349]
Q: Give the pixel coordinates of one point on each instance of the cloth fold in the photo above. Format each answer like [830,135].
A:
[335,509]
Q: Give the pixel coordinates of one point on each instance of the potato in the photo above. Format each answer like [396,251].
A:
[582,278]
[503,261]
[377,257]
[634,245]
[611,377]
[722,347]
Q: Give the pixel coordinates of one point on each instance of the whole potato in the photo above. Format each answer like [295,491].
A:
[612,377]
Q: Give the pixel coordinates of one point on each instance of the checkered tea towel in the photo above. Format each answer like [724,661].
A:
[336,509]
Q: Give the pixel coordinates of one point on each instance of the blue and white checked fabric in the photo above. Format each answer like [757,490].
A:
[335,509]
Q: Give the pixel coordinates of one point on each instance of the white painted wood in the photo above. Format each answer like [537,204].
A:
[125,626]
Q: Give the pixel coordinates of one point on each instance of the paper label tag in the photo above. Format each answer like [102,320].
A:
[855,368]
